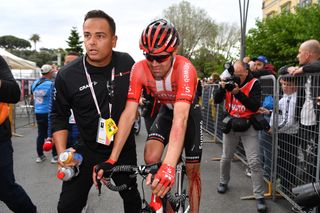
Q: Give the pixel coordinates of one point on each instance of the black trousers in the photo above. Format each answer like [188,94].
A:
[309,143]
[74,193]
[11,193]
[288,159]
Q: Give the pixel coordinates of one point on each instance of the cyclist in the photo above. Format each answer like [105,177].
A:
[172,80]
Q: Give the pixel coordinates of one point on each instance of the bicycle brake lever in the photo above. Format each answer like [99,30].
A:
[99,186]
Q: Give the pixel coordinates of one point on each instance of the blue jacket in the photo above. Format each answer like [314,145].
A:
[41,95]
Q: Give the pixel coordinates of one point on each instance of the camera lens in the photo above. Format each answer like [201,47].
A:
[307,195]
[229,86]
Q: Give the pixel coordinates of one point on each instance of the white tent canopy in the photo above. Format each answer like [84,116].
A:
[17,63]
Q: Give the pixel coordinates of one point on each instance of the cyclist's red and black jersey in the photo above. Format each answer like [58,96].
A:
[179,85]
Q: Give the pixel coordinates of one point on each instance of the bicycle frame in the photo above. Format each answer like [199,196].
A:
[180,172]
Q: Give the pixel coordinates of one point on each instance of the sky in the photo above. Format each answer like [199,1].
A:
[53,19]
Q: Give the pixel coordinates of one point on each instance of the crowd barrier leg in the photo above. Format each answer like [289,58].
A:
[12,121]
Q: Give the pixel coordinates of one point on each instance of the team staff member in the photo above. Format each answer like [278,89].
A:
[241,103]
[93,86]
[11,193]
[172,79]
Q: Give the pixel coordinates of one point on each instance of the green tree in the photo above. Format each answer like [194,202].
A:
[207,62]
[10,42]
[35,38]
[279,37]
[227,40]
[198,34]
[41,57]
[74,43]
[195,27]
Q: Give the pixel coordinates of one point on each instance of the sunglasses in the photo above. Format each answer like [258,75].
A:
[157,58]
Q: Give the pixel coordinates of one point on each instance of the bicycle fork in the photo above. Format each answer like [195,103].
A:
[179,188]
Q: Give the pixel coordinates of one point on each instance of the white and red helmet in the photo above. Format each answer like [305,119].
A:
[159,36]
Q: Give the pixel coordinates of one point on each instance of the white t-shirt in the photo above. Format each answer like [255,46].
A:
[286,120]
[308,115]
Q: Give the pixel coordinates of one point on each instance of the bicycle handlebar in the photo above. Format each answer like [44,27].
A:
[143,171]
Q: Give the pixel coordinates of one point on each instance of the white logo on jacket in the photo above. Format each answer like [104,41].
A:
[87,86]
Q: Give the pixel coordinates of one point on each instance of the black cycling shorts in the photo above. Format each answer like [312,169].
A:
[160,131]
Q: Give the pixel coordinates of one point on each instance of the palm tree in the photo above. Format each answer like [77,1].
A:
[35,38]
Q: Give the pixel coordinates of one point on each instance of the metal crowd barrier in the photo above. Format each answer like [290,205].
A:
[23,111]
[288,159]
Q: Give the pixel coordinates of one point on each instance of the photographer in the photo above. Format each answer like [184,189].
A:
[242,94]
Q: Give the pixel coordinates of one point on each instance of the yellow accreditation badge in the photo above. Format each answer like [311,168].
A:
[106,130]
[111,129]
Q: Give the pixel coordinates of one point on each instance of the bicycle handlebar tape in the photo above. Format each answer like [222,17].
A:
[99,186]
[151,169]
[113,187]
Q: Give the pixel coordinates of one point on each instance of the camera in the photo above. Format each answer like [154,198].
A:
[307,195]
[228,66]
[230,83]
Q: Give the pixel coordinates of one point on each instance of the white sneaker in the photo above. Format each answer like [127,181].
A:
[41,159]
[84,210]
[54,159]
[248,172]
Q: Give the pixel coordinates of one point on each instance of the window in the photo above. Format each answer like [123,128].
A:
[304,3]
[285,8]
[272,13]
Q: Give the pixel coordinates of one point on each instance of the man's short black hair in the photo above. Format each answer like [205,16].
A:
[101,14]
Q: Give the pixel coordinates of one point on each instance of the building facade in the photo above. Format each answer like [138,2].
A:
[272,7]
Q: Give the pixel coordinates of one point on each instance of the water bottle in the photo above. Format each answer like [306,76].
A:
[156,204]
[69,157]
[67,173]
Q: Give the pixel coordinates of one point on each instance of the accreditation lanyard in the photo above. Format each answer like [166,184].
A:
[92,90]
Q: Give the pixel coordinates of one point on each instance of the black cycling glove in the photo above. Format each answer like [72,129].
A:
[106,166]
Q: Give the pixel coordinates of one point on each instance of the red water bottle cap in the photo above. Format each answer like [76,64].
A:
[47,146]
[61,175]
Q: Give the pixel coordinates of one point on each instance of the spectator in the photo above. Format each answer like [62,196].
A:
[70,56]
[11,193]
[246,59]
[41,96]
[94,87]
[262,67]
[307,107]
[241,103]
[252,66]
[287,129]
